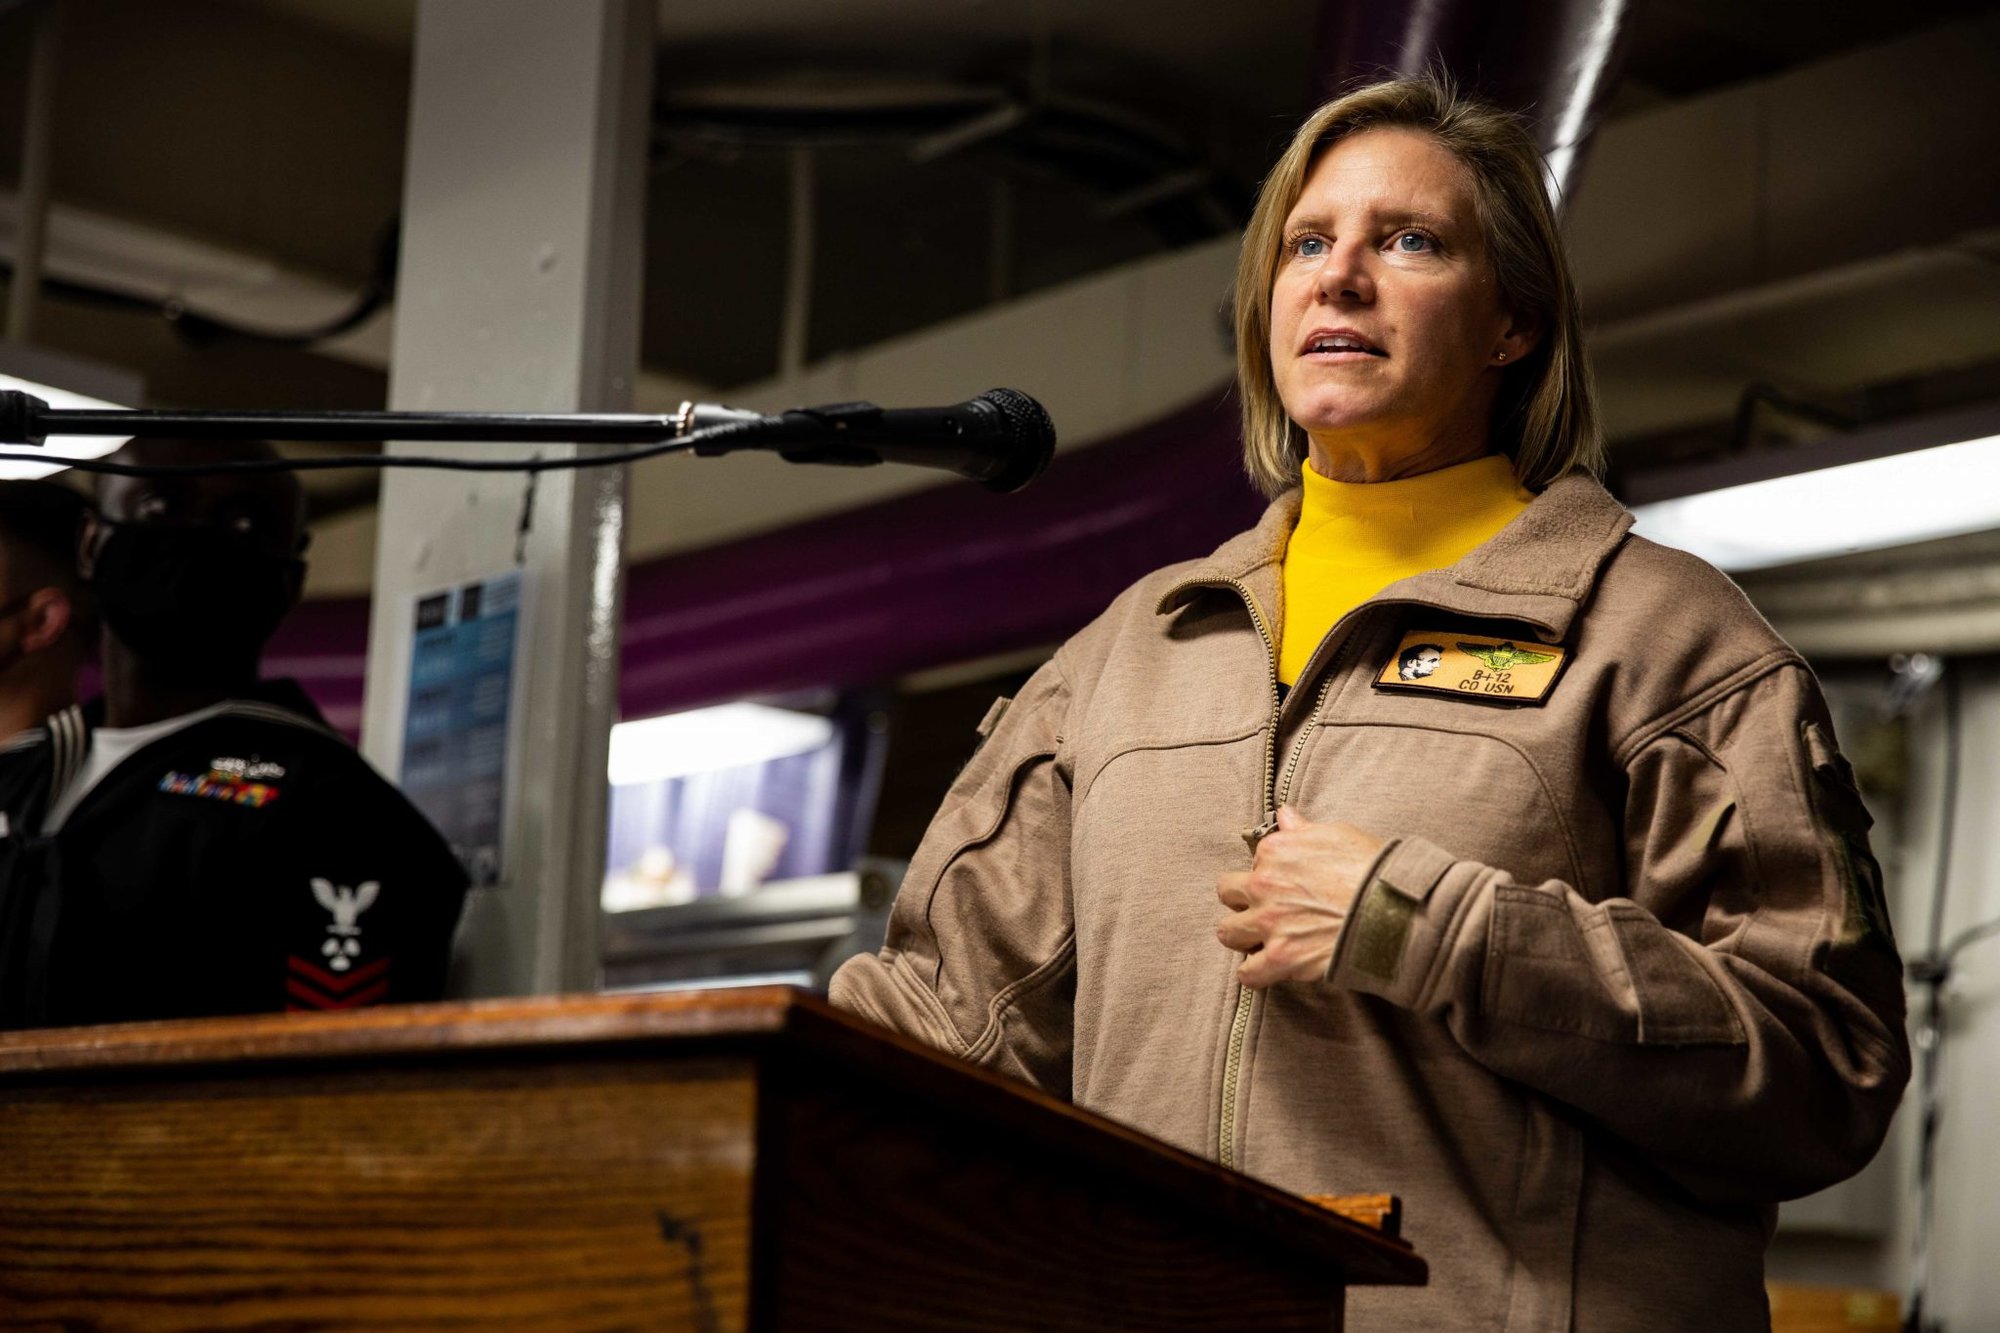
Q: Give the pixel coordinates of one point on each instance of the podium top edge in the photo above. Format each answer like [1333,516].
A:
[460,1025]
[758,1019]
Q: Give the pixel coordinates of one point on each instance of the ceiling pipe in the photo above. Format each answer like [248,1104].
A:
[38,130]
[802,236]
[1555,61]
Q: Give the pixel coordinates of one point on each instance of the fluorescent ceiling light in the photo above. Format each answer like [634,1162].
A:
[58,447]
[705,739]
[1916,481]
[1883,502]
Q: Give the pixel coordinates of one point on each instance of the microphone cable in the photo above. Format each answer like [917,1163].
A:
[611,457]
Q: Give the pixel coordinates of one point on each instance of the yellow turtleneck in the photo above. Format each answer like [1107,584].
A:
[1356,538]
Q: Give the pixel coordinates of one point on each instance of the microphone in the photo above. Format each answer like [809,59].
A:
[1002,439]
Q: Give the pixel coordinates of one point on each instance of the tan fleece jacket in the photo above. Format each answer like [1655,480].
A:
[1621,981]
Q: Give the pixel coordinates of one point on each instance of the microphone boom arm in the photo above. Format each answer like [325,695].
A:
[1002,439]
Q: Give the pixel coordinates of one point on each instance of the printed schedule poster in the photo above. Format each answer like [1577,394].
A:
[458,726]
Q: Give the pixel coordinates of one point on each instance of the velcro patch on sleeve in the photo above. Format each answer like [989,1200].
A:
[1380,929]
[1472,666]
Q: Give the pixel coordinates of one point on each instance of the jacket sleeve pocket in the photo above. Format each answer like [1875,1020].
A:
[979,958]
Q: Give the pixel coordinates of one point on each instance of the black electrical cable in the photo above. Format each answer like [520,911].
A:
[1971,935]
[196,327]
[360,462]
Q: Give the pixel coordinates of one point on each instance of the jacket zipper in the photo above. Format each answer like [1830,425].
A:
[1246,999]
[1239,1025]
[1275,791]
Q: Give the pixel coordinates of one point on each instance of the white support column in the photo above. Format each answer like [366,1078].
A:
[519,291]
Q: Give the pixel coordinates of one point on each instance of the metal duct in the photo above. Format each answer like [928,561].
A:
[1556,61]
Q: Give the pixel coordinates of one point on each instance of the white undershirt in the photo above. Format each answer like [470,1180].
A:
[110,747]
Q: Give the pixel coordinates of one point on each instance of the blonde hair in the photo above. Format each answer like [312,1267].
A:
[1545,418]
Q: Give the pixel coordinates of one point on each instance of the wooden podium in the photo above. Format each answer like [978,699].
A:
[707,1161]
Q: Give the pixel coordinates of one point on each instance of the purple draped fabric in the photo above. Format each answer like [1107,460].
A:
[922,580]
[323,645]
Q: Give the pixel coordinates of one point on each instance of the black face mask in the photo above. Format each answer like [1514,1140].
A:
[196,601]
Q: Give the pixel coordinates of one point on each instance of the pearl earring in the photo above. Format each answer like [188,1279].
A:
[1499,356]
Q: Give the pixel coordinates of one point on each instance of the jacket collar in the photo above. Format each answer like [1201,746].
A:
[1250,561]
[1540,568]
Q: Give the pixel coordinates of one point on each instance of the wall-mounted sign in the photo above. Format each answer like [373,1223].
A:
[458,728]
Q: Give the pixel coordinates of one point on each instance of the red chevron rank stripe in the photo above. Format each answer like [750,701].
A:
[312,987]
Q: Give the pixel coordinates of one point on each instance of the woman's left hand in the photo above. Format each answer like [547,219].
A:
[1287,910]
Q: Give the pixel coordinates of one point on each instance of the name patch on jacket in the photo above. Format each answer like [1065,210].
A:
[1498,671]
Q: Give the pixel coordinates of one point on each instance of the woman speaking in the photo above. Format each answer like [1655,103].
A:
[1437,836]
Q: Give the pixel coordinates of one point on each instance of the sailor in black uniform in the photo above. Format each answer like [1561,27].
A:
[198,841]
